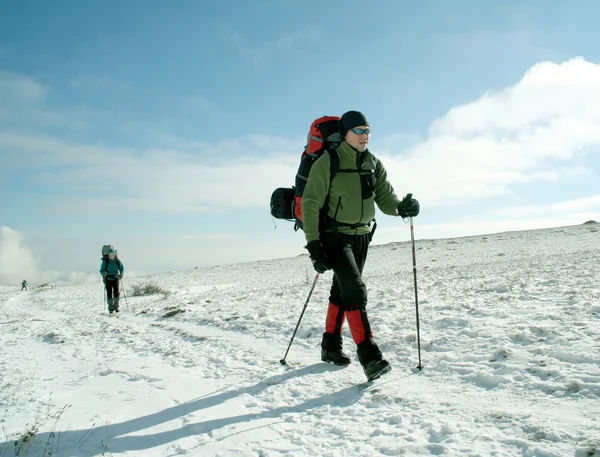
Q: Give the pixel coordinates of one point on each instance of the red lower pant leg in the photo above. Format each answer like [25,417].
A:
[335,319]
[358,322]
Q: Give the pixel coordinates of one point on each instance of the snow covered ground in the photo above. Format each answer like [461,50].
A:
[510,345]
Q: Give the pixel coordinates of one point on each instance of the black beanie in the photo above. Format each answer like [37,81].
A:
[353,119]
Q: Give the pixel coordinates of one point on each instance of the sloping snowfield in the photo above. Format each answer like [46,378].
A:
[510,347]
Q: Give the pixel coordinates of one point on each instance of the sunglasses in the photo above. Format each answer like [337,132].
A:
[361,131]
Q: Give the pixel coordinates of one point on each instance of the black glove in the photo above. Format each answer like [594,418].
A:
[104,274]
[318,257]
[408,207]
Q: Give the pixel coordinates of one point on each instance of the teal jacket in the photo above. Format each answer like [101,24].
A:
[350,201]
[112,268]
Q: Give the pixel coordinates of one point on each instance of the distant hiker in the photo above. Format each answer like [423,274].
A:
[24,285]
[337,217]
[111,270]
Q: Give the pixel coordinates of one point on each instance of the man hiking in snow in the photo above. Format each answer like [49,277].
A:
[112,270]
[337,217]
[24,285]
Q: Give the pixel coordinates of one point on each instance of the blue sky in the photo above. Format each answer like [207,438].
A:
[162,127]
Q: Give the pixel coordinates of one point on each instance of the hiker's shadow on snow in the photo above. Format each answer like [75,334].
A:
[111,437]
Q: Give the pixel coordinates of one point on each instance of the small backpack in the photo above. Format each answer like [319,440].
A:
[324,136]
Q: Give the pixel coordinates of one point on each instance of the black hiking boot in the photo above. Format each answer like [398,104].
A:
[371,360]
[337,358]
[376,368]
[331,349]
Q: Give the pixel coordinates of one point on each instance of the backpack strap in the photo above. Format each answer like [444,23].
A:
[358,168]
[377,164]
[334,163]
[334,169]
[105,259]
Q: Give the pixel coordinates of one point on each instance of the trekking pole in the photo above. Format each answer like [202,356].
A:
[282,361]
[414,259]
[124,294]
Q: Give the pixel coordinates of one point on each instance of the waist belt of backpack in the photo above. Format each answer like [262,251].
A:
[334,225]
[353,226]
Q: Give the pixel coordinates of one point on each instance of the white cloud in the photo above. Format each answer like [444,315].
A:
[260,53]
[286,42]
[22,101]
[19,89]
[95,82]
[523,133]
[547,92]
[580,205]
[18,262]
[539,129]
[155,180]
[202,103]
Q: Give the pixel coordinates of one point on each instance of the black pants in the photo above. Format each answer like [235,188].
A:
[348,296]
[112,288]
[347,254]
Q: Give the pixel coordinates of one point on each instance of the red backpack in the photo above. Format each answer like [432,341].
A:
[324,135]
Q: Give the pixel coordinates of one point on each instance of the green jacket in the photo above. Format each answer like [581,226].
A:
[346,204]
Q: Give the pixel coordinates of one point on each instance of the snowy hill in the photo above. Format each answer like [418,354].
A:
[510,339]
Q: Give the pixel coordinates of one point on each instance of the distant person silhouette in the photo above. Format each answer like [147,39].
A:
[24,285]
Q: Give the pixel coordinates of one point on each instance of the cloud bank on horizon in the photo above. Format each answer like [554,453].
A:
[18,262]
